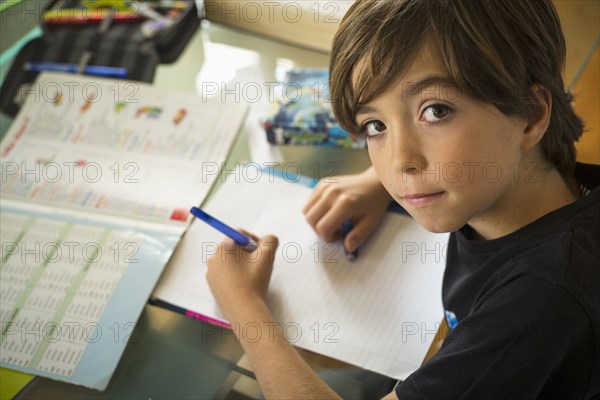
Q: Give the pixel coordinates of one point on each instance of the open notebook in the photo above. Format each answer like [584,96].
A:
[97,179]
[379,312]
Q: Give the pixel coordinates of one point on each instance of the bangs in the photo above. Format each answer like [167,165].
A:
[370,57]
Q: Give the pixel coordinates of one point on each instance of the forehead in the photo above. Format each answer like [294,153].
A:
[426,61]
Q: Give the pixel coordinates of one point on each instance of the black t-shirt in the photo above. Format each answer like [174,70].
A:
[524,310]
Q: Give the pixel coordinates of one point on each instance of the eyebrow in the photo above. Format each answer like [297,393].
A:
[412,89]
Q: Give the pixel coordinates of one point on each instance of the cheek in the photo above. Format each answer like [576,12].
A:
[376,157]
[479,158]
[381,166]
[497,142]
[379,162]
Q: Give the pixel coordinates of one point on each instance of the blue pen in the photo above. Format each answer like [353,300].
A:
[96,70]
[237,236]
[347,226]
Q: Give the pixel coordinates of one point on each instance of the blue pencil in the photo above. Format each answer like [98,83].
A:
[237,236]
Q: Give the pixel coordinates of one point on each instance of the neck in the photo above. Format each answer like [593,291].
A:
[527,201]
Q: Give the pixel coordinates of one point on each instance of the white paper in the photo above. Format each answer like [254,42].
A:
[379,312]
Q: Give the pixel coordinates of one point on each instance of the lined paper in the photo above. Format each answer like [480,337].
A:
[379,312]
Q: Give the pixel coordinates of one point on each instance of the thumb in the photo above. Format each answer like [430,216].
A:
[359,234]
[268,246]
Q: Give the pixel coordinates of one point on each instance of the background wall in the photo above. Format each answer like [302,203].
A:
[581,25]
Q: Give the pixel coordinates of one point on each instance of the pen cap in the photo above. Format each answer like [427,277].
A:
[251,246]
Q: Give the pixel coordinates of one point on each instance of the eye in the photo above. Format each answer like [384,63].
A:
[372,128]
[435,113]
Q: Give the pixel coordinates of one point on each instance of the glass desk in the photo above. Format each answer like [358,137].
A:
[169,355]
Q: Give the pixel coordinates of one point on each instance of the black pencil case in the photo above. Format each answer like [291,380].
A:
[121,45]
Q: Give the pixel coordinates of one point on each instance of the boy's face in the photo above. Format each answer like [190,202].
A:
[447,159]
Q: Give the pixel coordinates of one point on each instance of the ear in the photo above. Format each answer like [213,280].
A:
[539,118]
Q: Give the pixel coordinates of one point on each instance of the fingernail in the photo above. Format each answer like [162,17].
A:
[351,246]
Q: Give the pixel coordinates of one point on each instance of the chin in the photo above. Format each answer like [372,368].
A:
[438,225]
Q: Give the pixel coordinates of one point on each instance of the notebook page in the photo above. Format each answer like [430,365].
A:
[379,312]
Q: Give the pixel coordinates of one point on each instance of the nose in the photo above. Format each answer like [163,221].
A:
[406,154]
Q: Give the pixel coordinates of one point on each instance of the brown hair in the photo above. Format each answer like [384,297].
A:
[494,51]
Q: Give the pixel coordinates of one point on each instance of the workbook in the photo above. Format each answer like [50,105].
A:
[379,312]
[98,177]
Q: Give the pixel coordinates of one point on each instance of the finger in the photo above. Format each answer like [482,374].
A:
[315,196]
[227,244]
[249,234]
[268,246]
[329,198]
[217,258]
[329,226]
[363,228]
[316,213]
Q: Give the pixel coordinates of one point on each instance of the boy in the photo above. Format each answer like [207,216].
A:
[473,89]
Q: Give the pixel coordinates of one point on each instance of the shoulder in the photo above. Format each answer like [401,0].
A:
[556,254]
[528,338]
[529,306]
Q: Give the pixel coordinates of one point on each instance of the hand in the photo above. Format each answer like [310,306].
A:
[360,198]
[237,277]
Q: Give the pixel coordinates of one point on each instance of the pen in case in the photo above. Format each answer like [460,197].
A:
[97,70]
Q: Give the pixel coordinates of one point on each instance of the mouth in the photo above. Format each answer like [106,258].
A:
[422,199]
